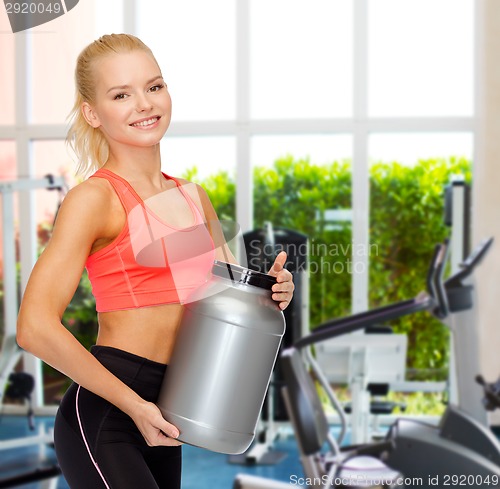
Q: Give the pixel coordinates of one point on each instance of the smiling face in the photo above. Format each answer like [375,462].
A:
[132,106]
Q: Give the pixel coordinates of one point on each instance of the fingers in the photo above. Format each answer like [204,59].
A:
[153,426]
[279,264]
[166,433]
[166,441]
[283,298]
[169,429]
[283,289]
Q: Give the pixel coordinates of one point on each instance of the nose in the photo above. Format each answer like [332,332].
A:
[143,103]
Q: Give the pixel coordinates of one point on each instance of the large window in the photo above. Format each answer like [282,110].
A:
[255,81]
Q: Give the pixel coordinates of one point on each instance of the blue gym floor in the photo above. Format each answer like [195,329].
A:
[212,469]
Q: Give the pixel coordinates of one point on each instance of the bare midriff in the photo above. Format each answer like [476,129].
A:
[148,332]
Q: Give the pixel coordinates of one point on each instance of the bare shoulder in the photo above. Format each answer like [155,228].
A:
[89,204]
[92,196]
[93,192]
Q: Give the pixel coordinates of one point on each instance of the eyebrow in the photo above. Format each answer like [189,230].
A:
[124,87]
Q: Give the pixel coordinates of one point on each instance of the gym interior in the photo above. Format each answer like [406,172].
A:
[359,136]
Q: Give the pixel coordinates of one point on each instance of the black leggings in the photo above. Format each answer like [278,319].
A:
[99,447]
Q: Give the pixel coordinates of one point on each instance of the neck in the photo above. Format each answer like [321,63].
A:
[135,163]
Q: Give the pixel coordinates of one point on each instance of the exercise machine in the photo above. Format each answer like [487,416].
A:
[462,388]
[460,450]
[370,364]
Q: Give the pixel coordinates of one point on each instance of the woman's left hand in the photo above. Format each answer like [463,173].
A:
[283,289]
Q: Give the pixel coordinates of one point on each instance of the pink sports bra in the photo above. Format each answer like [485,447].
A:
[150,262]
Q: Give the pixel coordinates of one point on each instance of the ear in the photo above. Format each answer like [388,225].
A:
[90,115]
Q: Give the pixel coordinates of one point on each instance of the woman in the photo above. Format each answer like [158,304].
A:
[122,224]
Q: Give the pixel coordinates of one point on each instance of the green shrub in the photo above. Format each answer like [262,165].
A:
[406,221]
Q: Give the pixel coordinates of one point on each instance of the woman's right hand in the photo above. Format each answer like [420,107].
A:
[153,426]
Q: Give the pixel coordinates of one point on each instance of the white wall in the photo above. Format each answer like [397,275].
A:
[486,190]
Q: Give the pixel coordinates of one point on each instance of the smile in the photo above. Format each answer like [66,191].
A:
[146,122]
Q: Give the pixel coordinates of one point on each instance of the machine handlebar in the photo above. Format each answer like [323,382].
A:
[435,300]
[491,400]
[470,263]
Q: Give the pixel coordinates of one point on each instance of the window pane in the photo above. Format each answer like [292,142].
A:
[421,57]
[319,148]
[7,160]
[54,49]
[408,175]
[207,155]
[194,44]
[303,183]
[7,72]
[409,148]
[209,161]
[301,58]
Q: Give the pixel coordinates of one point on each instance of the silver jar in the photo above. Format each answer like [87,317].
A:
[223,358]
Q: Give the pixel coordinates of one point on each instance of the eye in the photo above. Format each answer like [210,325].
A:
[156,88]
[120,96]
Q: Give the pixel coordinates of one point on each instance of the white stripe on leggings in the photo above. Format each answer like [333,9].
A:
[85,440]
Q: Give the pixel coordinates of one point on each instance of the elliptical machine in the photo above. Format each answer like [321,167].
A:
[459,451]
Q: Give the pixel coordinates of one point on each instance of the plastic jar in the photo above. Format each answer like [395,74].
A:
[223,359]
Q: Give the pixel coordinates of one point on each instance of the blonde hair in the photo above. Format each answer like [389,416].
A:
[89,143]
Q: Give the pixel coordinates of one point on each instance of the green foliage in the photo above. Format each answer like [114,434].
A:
[430,403]
[406,221]
[222,191]
[409,404]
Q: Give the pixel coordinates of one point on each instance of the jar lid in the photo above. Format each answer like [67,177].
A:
[242,275]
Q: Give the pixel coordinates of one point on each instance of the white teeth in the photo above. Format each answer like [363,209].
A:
[146,123]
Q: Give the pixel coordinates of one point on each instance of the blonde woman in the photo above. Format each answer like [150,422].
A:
[108,431]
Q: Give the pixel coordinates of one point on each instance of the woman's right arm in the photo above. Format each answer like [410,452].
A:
[81,222]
